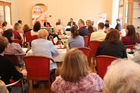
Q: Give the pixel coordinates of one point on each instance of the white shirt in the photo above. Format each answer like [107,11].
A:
[98,36]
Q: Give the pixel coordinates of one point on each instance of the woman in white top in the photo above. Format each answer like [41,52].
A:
[36,28]
[43,47]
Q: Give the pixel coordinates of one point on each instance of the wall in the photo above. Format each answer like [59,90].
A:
[63,9]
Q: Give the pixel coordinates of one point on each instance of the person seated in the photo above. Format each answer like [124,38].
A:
[122,76]
[107,26]
[44,47]
[131,37]
[112,46]
[71,23]
[26,28]
[75,40]
[75,75]
[13,48]
[99,35]
[58,22]
[118,26]
[17,34]
[47,24]
[36,28]
[88,23]
[83,31]
[7,68]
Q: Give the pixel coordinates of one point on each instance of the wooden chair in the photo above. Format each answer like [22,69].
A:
[103,62]
[87,52]
[16,83]
[129,47]
[38,68]
[86,41]
[34,37]
[93,46]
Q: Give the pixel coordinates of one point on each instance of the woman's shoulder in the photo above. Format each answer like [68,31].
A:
[14,44]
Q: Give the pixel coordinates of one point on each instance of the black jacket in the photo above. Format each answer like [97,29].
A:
[83,31]
[69,24]
[8,70]
[111,49]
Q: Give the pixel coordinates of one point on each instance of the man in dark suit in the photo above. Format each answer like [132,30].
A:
[47,25]
[83,31]
[118,26]
[71,23]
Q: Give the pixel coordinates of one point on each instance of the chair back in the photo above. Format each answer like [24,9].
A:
[87,52]
[129,47]
[38,67]
[28,37]
[34,37]
[14,59]
[86,41]
[93,46]
[103,62]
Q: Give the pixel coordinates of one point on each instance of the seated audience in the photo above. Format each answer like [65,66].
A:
[26,28]
[99,35]
[17,34]
[118,26]
[3,88]
[123,76]
[44,47]
[20,25]
[131,37]
[107,28]
[36,28]
[12,48]
[112,46]
[7,69]
[59,22]
[4,26]
[88,23]
[90,29]
[75,40]
[75,75]
[83,31]
[71,23]
[47,24]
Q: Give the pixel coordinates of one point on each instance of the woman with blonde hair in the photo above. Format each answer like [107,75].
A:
[75,76]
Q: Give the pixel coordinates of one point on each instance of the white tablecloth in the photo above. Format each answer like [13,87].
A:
[58,58]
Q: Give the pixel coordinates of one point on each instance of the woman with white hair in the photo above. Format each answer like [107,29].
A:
[123,76]
[44,47]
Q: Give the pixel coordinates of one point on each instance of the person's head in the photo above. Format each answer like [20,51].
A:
[88,23]
[26,28]
[59,20]
[122,76]
[20,21]
[71,19]
[74,31]
[106,26]
[3,44]
[37,26]
[130,31]
[117,21]
[75,66]
[9,35]
[43,34]
[16,26]
[81,23]
[113,36]
[106,21]
[4,24]
[90,29]
[101,26]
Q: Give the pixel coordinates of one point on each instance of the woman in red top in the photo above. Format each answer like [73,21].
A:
[131,37]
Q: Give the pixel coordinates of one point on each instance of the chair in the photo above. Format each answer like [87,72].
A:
[93,46]
[103,62]
[28,37]
[16,83]
[38,68]
[86,41]
[14,59]
[87,52]
[34,37]
[129,47]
